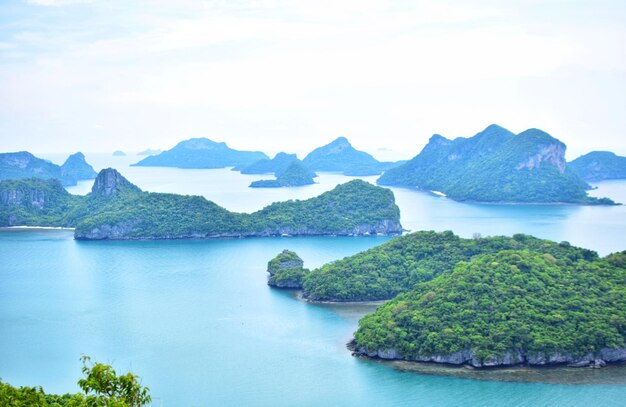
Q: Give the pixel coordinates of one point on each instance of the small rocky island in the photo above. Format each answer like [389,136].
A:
[286,270]
[294,175]
[117,209]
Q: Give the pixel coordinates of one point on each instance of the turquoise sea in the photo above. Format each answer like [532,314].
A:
[196,320]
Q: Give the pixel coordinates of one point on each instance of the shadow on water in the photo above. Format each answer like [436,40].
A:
[614,374]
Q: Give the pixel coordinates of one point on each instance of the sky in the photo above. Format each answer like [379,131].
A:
[285,75]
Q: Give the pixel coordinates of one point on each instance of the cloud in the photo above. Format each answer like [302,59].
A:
[57,3]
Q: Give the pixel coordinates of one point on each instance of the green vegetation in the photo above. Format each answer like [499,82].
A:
[37,202]
[201,153]
[530,305]
[101,386]
[394,267]
[286,270]
[495,166]
[599,165]
[117,209]
[294,175]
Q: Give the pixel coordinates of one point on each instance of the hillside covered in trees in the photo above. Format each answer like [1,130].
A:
[117,209]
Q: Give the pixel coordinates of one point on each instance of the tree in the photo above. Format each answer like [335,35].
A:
[104,388]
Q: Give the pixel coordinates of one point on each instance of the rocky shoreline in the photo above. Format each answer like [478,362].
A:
[511,358]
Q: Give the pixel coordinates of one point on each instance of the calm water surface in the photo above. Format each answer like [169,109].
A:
[197,321]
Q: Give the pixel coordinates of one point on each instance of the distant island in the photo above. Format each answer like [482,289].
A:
[496,166]
[149,152]
[513,307]
[117,209]
[268,166]
[25,165]
[340,156]
[599,166]
[294,175]
[201,153]
[119,153]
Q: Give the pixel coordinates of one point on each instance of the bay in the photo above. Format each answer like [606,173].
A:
[196,320]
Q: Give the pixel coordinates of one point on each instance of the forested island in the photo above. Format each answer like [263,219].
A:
[484,302]
[509,308]
[382,272]
[117,209]
[496,166]
[23,164]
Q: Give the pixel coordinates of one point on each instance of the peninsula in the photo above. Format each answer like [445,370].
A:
[117,209]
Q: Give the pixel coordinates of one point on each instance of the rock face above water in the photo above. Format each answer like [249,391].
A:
[111,183]
[599,166]
[286,270]
[495,165]
[35,202]
[509,358]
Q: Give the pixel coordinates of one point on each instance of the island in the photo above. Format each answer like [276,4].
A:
[599,166]
[294,175]
[514,307]
[201,153]
[340,156]
[149,151]
[495,166]
[394,267]
[285,270]
[119,153]
[268,166]
[117,209]
[76,167]
[23,164]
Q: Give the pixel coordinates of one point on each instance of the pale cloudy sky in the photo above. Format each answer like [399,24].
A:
[291,75]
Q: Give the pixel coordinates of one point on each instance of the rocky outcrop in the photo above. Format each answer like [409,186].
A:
[553,154]
[109,183]
[286,270]
[509,358]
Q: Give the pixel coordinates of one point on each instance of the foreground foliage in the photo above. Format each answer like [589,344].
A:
[101,386]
